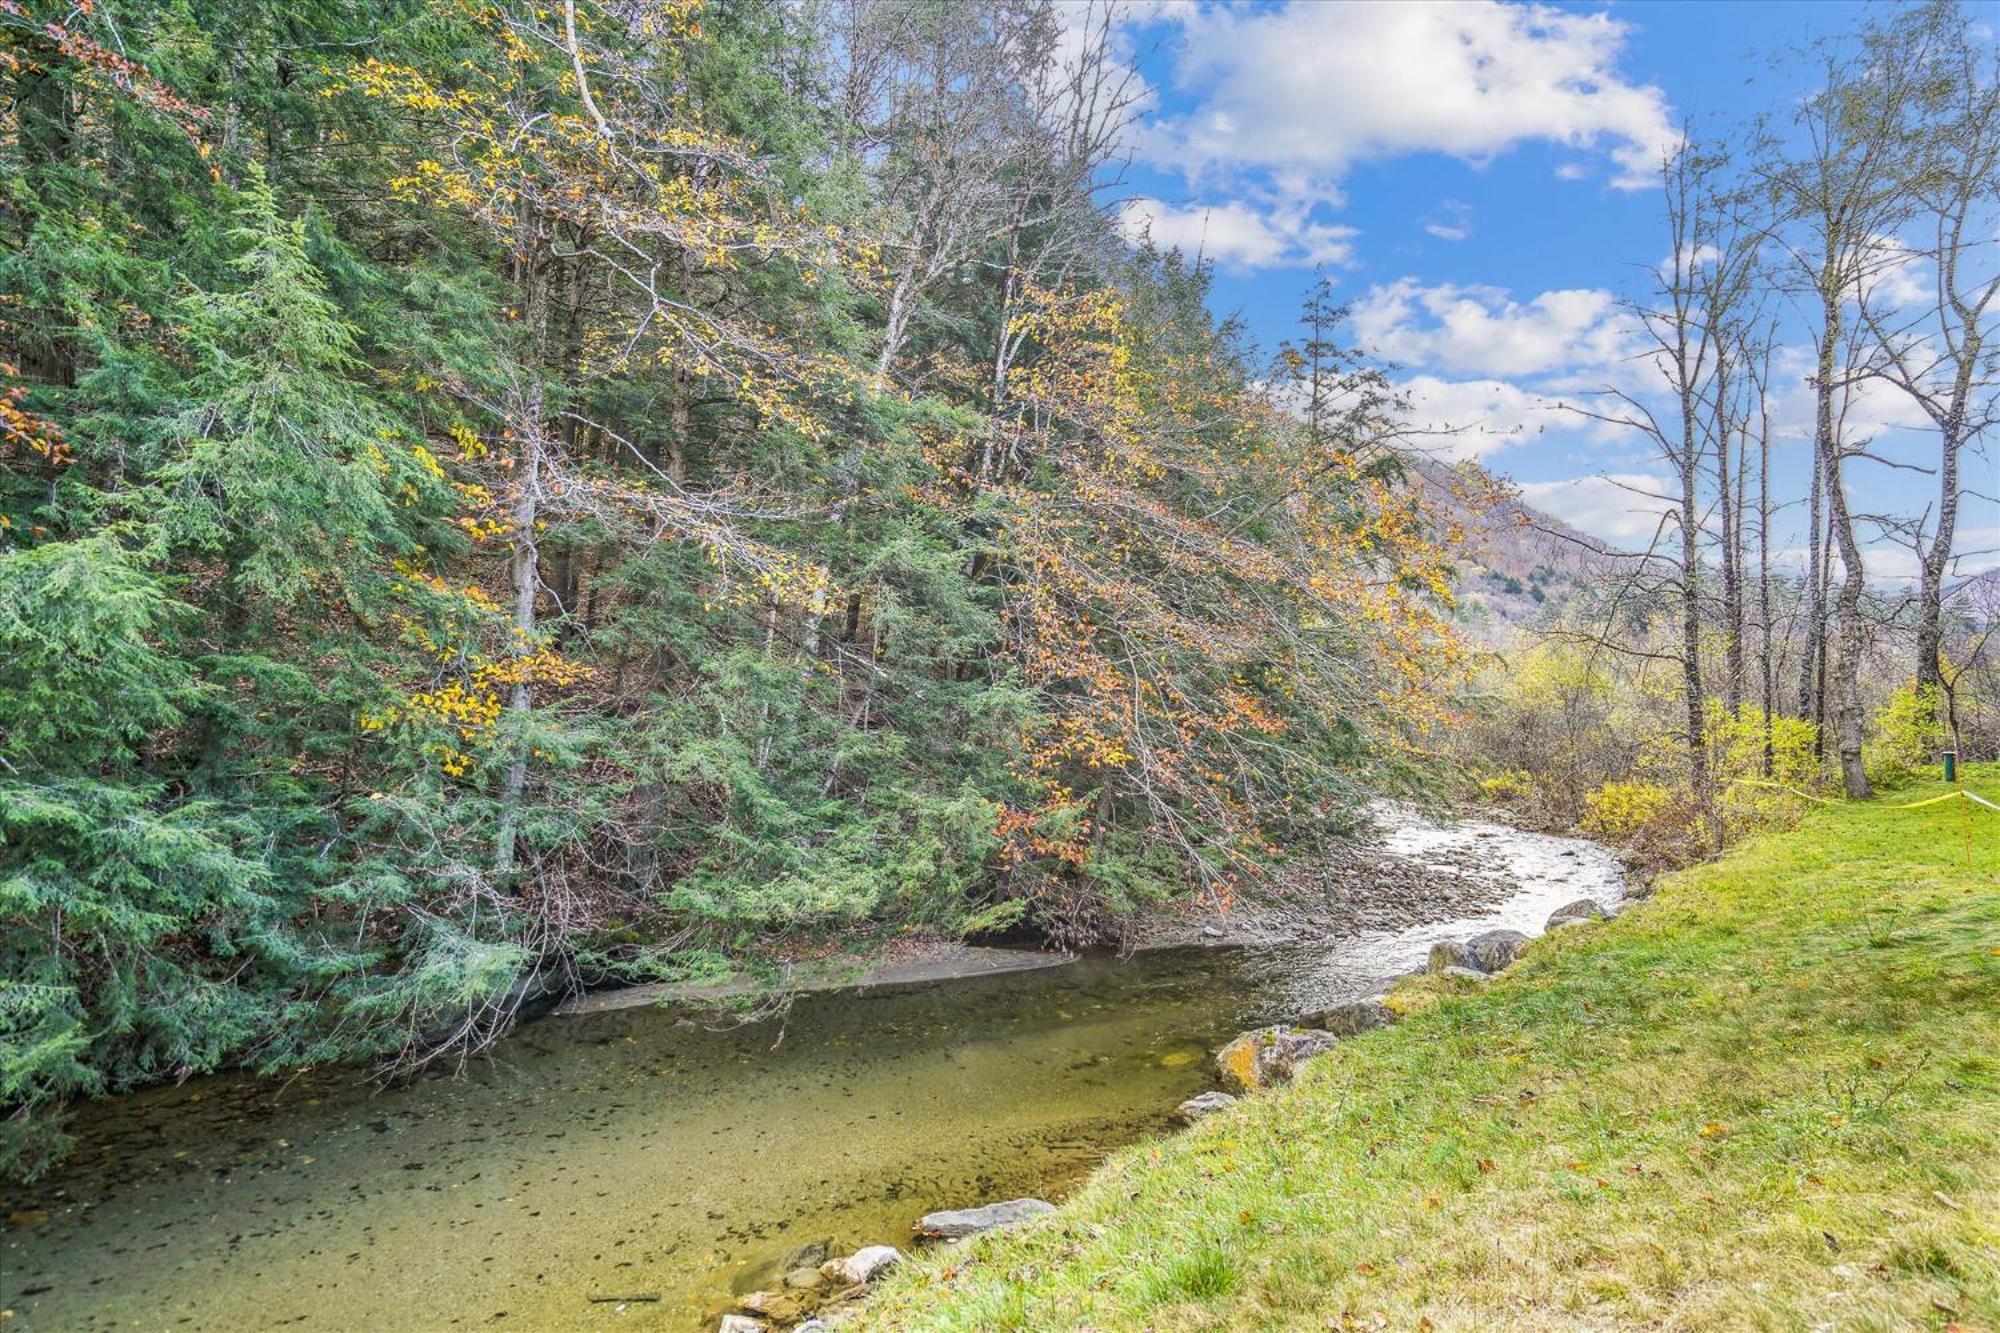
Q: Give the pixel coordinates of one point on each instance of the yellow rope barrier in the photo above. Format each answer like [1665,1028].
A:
[1935,800]
[1912,805]
[1779,786]
[1965,822]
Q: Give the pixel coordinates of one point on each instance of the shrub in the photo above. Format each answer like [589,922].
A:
[1909,731]
[1736,746]
[1512,785]
[1621,809]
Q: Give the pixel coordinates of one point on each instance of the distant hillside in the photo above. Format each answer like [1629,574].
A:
[1519,566]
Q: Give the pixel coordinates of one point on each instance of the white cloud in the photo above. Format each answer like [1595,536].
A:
[1487,372]
[1473,418]
[1686,263]
[1898,277]
[1473,330]
[1573,171]
[1892,563]
[1306,90]
[1237,235]
[1620,508]
[1870,410]
[1452,221]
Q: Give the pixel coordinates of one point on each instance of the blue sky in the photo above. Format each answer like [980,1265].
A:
[1476,177]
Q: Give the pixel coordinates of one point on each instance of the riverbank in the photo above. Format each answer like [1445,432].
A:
[1404,871]
[1766,1098]
[929,963]
[638,1168]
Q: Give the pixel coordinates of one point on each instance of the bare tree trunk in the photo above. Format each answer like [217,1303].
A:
[1732,575]
[524,573]
[524,565]
[1765,671]
[1845,684]
[1733,595]
[1811,655]
[1694,695]
[1937,558]
[895,327]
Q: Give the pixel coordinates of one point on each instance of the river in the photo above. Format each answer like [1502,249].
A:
[638,1152]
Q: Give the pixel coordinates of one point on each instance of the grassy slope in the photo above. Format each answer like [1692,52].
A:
[1767,1098]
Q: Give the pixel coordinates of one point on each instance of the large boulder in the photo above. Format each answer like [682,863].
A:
[1203,1106]
[1270,1055]
[1353,1018]
[864,1265]
[956,1223]
[1488,951]
[1576,913]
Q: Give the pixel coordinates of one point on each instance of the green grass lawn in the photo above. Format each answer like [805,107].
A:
[1767,1098]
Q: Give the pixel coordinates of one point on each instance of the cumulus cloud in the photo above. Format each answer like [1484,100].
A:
[1895,564]
[1237,235]
[1308,90]
[1473,418]
[1871,410]
[1483,371]
[1620,508]
[1477,330]
[1275,104]
[1898,277]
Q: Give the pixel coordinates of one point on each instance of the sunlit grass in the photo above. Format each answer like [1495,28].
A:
[1767,1098]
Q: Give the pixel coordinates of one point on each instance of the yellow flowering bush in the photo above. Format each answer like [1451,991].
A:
[1620,809]
[1909,733]
[1511,785]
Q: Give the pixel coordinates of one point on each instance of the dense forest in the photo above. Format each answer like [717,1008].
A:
[498,498]
[501,495]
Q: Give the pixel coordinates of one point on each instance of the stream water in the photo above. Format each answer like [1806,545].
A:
[634,1152]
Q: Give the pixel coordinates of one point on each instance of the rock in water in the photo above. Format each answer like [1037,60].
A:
[810,1256]
[736,1323]
[1488,951]
[955,1223]
[773,1305]
[864,1265]
[1207,1104]
[1270,1055]
[1448,956]
[1496,949]
[1353,1018]
[1571,914]
[1465,974]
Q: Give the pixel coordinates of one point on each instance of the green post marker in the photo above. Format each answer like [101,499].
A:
[1951,765]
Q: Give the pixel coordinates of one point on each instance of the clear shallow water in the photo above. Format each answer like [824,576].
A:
[632,1152]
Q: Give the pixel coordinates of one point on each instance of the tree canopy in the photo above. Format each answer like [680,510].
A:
[497,496]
